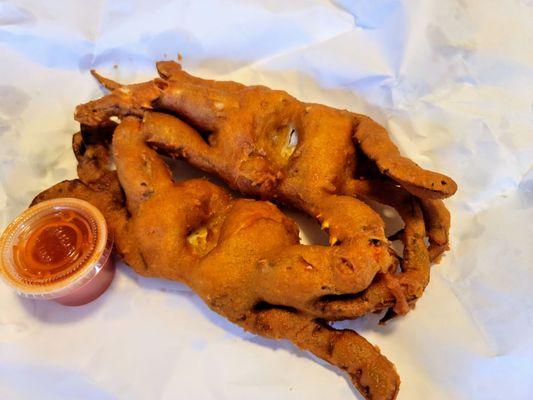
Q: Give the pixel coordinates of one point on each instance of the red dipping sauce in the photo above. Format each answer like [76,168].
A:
[58,250]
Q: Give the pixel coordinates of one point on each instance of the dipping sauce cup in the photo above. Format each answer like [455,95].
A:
[58,250]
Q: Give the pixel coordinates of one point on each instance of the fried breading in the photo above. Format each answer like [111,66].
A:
[266,143]
[241,256]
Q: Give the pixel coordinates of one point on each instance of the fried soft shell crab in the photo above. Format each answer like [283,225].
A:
[243,256]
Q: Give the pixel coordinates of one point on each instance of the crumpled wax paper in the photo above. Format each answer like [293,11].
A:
[451,80]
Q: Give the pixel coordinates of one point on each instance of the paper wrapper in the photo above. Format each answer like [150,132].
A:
[452,81]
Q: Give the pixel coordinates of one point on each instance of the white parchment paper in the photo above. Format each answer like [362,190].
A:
[451,80]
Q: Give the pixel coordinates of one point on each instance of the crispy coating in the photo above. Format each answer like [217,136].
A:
[343,348]
[398,292]
[437,218]
[375,143]
[249,114]
[242,257]
[266,143]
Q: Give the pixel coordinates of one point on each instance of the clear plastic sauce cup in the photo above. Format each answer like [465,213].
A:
[58,250]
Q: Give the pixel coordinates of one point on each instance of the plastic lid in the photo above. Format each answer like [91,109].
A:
[54,248]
